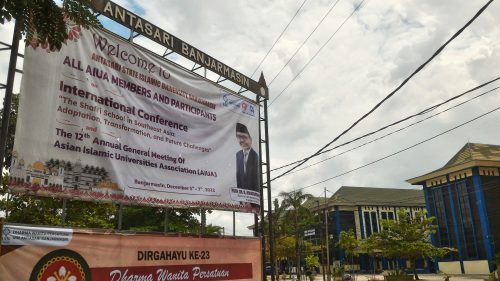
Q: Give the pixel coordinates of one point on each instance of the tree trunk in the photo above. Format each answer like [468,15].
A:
[373,265]
[414,267]
[297,247]
[277,269]
[352,267]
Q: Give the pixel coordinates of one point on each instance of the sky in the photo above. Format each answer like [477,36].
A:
[343,69]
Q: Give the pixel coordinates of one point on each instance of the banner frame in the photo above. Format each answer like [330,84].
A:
[147,29]
[260,99]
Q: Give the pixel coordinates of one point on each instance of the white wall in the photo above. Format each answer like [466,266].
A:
[450,267]
[476,267]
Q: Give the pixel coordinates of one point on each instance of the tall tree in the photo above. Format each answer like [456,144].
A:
[409,238]
[292,203]
[44,22]
[370,246]
[349,243]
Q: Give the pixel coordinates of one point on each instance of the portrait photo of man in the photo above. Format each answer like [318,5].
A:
[247,161]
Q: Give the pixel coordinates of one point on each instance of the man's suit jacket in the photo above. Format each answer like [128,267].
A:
[250,179]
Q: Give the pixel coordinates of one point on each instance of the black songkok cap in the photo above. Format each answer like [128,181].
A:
[240,128]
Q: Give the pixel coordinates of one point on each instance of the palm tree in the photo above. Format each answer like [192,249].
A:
[292,204]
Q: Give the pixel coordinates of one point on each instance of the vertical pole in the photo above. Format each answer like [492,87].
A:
[338,229]
[234,223]
[165,227]
[8,94]
[120,216]
[131,37]
[322,243]
[261,191]
[328,277]
[2,222]
[269,201]
[203,221]
[7,207]
[63,219]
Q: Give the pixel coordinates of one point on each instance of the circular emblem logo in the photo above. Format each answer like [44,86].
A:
[61,265]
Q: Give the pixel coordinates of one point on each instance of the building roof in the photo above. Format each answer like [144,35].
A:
[470,155]
[349,195]
[370,196]
[312,203]
[475,151]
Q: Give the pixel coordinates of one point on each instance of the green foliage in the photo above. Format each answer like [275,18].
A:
[214,229]
[309,248]
[339,271]
[348,242]
[285,247]
[31,210]
[496,260]
[43,21]
[312,261]
[90,214]
[371,246]
[298,215]
[144,218]
[407,238]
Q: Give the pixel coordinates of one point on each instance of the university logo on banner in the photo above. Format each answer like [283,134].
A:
[61,265]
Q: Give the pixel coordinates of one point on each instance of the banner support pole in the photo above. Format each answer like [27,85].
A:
[165,227]
[203,221]
[2,222]
[265,166]
[8,94]
[120,216]
[63,215]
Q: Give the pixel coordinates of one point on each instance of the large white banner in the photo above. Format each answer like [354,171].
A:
[104,120]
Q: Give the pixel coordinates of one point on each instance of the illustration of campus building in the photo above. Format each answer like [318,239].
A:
[463,195]
[362,209]
[62,174]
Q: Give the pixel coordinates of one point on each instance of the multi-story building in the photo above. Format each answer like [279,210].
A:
[361,209]
[464,195]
